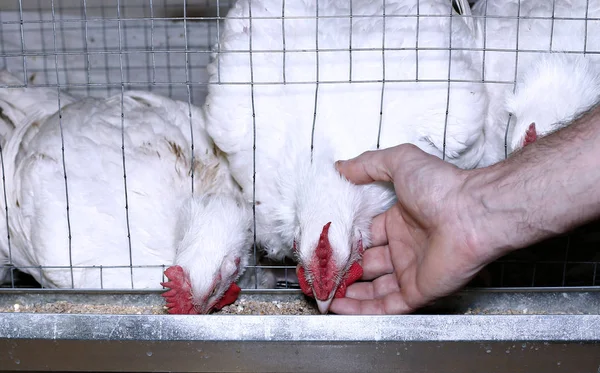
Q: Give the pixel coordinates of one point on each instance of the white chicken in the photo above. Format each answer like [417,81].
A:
[549,94]
[544,26]
[77,210]
[24,102]
[314,100]
[27,102]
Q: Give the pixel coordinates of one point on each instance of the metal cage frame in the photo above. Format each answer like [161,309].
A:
[552,325]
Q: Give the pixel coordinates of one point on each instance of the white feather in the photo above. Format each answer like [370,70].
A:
[203,233]
[354,111]
[552,92]
[538,33]
[20,103]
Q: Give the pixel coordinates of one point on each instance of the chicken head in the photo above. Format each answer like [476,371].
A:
[323,278]
[180,298]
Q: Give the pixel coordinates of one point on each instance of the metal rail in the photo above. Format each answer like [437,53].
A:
[557,331]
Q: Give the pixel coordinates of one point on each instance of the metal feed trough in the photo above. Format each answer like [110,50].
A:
[536,310]
[546,330]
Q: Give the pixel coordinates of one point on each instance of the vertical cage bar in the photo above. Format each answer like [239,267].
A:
[23,49]
[514,78]
[449,81]
[485,21]
[283,38]
[250,52]
[383,74]
[153,80]
[123,141]
[7,216]
[350,43]
[86,47]
[168,55]
[43,48]
[62,141]
[585,26]
[417,42]
[9,244]
[105,47]
[219,40]
[2,49]
[124,40]
[552,24]
[189,94]
[312,136]
[63,38]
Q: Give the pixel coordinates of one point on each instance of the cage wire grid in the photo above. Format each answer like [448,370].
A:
[102,48]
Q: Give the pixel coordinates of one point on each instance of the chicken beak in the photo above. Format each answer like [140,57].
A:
[323,304]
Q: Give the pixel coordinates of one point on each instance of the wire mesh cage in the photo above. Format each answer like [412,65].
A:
[98,50]
[104,48]
[101,48]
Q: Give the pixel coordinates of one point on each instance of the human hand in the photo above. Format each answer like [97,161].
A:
[424,247]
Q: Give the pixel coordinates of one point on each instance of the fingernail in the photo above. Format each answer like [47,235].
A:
[339,163]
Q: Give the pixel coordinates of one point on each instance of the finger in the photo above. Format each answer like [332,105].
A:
[378,231]
[376,262]
[366,168]
[378,288]
[392,304]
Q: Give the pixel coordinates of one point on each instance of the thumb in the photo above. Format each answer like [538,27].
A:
[368,167]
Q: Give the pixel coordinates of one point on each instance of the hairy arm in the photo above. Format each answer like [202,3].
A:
[449,223]
[547,188]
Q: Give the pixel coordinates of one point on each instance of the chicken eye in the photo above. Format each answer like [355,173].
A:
[212,293]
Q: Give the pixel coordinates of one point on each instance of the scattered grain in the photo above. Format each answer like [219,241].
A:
[75,308]
[240,307]
[253,307]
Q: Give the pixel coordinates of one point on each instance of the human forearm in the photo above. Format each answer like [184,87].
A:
[547,188]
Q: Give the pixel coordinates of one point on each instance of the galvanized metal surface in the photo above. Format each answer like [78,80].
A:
[582,300]
[224,343]
[435,343]
[513,357]
[415,328]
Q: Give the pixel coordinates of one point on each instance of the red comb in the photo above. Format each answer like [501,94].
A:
[354,274]
[229,297]
[304,285]
[322,267]
[530,135]
[179,297]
